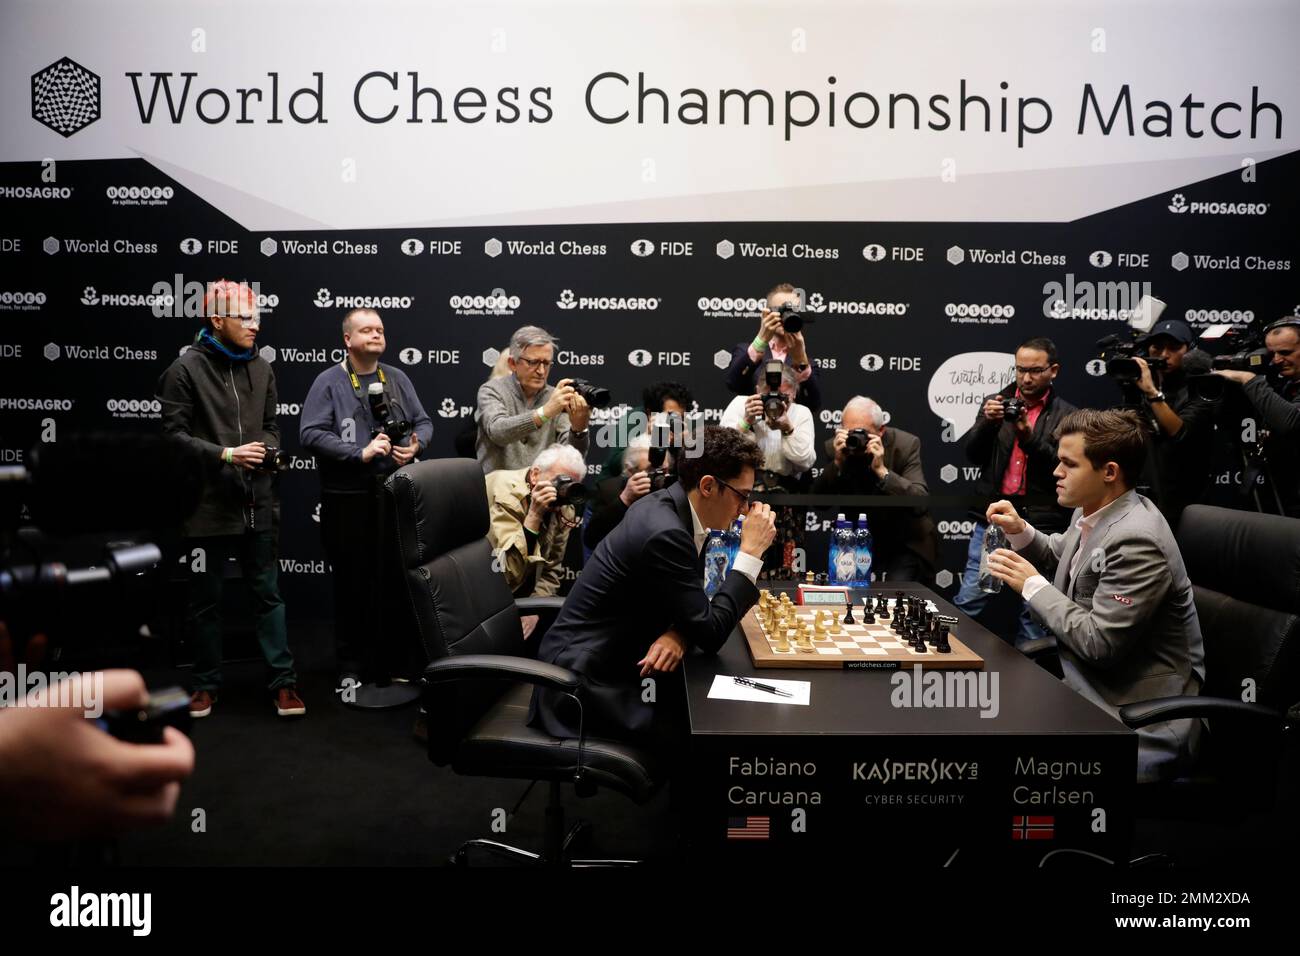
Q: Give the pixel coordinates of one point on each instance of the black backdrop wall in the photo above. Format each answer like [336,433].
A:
[82,348]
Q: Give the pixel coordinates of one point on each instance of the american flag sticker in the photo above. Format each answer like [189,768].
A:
[1033,828]
[748,828]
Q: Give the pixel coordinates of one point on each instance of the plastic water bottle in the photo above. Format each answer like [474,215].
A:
[994,538]
[862,552]
[841,561]
[733,542]
[716,561]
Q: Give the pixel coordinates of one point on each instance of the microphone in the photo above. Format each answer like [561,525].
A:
[1197,362]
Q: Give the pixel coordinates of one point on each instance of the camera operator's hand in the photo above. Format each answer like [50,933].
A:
[405,454]
[1146,384]
[1233,375]
[758,530]
[543,497]
[637,487]
[769,327]
[379,445]
[579,413]
[248,456]
[993,409]
[1003,514]
[840,446]
[61,776]
[753,410]
[876,449]
[560,398]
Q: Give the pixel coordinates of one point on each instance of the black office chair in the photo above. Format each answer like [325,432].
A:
[479,680]
[1245,571]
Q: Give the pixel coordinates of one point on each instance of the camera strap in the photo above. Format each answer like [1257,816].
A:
[346,365]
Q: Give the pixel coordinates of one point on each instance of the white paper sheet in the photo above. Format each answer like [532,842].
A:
[725,688]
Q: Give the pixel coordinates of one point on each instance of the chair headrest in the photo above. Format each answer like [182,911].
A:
[443,502]
[1250,556]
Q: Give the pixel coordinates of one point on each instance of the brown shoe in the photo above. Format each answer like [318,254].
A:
[201,703]
[288,703]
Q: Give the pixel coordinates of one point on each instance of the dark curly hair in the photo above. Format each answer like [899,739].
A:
[724,455]
[652,397]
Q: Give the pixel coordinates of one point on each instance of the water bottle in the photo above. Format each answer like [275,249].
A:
[862,552]
[994,538]
[733,542]
[841,561]
[715,561]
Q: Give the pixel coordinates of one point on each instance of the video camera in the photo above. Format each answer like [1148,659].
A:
[1120,353]
[1245,352]
[774,403]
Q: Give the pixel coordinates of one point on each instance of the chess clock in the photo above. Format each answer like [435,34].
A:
[836,595]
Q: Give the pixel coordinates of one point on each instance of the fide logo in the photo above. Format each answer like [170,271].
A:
[1096,367]
[89,296]
[191,246]
[567,300]
[65,97]
[410,356]
[1100,259]
[643,248]
[323,299]
[871,362]
[873,252]
[1178,203]
[639,358]
[413,247]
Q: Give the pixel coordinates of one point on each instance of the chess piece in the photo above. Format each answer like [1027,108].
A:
[867,616]
[941,645]
[882,607]
[848,612]
[836,628]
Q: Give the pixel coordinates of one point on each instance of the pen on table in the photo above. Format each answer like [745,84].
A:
[767,687]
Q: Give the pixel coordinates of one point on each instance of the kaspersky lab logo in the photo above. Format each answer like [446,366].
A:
[65,97]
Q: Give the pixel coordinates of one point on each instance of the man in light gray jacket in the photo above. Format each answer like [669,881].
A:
[1119,601]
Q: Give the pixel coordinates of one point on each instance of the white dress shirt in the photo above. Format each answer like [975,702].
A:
[746,564]
[1085,524]
[789,454]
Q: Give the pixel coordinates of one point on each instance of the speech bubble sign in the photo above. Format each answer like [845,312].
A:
[959,386]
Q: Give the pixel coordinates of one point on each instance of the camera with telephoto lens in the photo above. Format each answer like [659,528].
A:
[774,403]
[1120,353]
[856,442]
[1013,409]
[593,395]
[660,476]
[569,492]
[275,459]
[792,318]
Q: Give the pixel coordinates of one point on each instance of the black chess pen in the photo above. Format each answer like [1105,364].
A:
[767,687]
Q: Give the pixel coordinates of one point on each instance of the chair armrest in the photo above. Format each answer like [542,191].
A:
[1034,648]
[501,667]
[1171,708]
[534,604]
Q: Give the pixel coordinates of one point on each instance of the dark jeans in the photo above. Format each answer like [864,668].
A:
[985,607]
[256,553]
[350,532]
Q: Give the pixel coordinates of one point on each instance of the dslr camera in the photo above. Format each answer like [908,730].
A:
[793,319]
[660,476]
[1013,409]
[774,403]
[275,459]
[856,442]
[569,492]
[593,395]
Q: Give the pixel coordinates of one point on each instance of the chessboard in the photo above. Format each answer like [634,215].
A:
[782,634]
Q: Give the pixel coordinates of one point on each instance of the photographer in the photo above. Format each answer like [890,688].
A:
[359,434]
[1013,442]
[531,512]
[615,495]
[1275,398]
[219,397]
[1185,425]
[869,458]
[519,414]
[775,341]
[657,401]
[783,428]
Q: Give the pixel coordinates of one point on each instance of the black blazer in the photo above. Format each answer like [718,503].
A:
[644,578]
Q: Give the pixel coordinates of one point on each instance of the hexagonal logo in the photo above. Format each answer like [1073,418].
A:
[65,97]
[267,353]
[490,357]
[943,579]
[1179,261]
[50,245]
[725,249]
[410,356]
[269,246]
[956,255]
[52,351]
[721,359]
[492,248]
[948,473]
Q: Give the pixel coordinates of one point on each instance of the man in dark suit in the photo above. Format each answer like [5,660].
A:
[640,603]
[773,342]
[1118,599]
[883,460]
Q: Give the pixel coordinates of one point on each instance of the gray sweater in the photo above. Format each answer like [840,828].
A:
[508,436]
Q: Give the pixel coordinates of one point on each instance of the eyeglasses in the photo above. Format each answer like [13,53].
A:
[543,364]
[1033,370]
[742,495]
[250,322]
